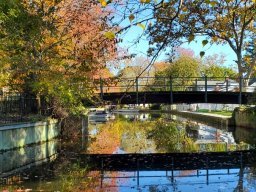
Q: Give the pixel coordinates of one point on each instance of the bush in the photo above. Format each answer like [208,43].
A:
[155,107]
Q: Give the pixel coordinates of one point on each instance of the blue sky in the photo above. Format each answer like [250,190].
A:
[141,47]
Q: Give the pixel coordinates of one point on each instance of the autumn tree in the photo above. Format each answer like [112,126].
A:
[183,71]
[134,67]
[54,48]
[160,66]
[222,22]
[250,55]
[213,66]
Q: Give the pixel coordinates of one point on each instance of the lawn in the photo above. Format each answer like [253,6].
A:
[224,113]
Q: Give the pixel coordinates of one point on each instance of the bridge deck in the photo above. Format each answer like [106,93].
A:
[166,97]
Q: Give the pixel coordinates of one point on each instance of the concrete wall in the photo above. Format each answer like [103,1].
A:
[22,158]
[20,135]
[245,135]
[194,107]
[216,121]
[245,117]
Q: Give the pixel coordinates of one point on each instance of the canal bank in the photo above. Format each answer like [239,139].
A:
[244,117]
[220,121]
[23,134]
[128,134]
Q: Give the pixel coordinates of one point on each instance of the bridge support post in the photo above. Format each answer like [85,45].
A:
[137,91]
[165,84]
[101,88]
[240,90]
[205,89]
[171,91]
[172,169]
[226,84]
[102,173]
[196,85]
[138,173]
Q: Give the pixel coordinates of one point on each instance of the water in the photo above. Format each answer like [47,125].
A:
[61,166]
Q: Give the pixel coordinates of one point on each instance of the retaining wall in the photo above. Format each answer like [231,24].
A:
[245,117]
[14,161]
[20,135]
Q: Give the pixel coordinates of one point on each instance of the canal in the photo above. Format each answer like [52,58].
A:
[136,152]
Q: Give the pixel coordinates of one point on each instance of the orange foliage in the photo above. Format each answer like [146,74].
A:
[107,142]
[87,24]
[160,66]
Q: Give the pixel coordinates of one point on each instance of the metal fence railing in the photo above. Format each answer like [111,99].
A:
[18,108]
[151,84]
[204,84]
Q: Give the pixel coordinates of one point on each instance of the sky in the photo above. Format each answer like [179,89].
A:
[141,48]
[196,45]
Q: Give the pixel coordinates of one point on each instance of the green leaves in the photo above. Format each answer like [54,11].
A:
[202,53]
[191,38]
[110,35]
[204,42]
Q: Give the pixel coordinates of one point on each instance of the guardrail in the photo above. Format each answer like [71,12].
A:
[18,107]
[176,84]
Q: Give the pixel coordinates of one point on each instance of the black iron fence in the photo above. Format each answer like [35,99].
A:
[159,83]
[20,108]
[171,85]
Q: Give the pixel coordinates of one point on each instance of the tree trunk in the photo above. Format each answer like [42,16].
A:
[39,106]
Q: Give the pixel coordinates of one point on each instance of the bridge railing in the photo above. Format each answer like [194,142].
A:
[153,84]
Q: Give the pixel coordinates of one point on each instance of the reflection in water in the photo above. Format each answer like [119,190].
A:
[224,180]
[245,135]
[164,135]
[132,134]
[20,159]
[141,134]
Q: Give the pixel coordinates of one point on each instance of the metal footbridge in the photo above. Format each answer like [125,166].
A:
[172,90]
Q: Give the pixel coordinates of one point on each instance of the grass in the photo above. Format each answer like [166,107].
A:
[224,113]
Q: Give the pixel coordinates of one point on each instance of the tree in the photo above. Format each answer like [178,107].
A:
[183,71]
[160,66]
[223,21]
[179,68]
[219,71]
[54,48]
[250,56]
[212,66]
[135,68]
